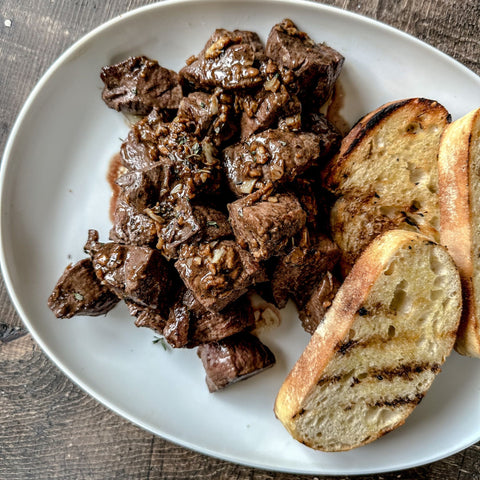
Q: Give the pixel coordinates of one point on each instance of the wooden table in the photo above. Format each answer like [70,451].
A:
[49,428]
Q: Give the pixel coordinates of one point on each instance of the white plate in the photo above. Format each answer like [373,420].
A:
[54,189]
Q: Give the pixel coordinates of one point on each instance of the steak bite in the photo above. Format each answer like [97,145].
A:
[195,163]
[320,300]
[315,200]
[270,106]
[309,69]
[305,190]
[79,292]
[191,161]
[213,223]
[147,317]
[265,226]
[265,109]
[138,274]
[216,191]
[140,149]
[178,222]
[211,115]
[131,227]
[297,273]
[330,136]
[144,188]
[229,60]
[233,359]
[190,324]
[269,157]
[218,272]
[138,85]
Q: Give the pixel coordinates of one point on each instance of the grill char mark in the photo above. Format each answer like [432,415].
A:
[398,401]
[345,347]
[371,123]
[407,371]
[379,116]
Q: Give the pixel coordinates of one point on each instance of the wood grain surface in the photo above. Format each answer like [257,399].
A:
[49,428]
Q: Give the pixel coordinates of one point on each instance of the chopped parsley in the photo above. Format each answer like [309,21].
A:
[162,342]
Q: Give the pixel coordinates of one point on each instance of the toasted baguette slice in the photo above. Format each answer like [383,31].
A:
[390,158]
[392,152]
[382,342]
[459,196]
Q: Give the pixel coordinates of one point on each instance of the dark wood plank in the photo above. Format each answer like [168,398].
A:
[470,467]
[49,428]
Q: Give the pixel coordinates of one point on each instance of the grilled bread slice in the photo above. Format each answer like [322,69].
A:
[386,174]
[459,196]
[381,344]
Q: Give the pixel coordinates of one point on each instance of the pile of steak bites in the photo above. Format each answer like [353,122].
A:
[218,197]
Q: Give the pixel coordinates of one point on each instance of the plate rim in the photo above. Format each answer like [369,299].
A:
[69,54]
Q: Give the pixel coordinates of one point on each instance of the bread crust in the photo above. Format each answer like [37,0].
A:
[456,163]
[306,373]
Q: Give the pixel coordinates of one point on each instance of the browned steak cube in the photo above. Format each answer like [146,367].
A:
[305,190]
[79,292]
[213,223]
[218,272]
[319,302]
[266,107]
[314,67]
[176,224]
[315,200]
[179,222]
[139,84]
[233,359]
[265,226]
[140,149]
[299,271]
[190,324]
[229,60]
[191,161]
[329,135]
[144,188]
[131,227]
[269,157]
[147,317]
[138,274]
[316,122]
[211,115]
